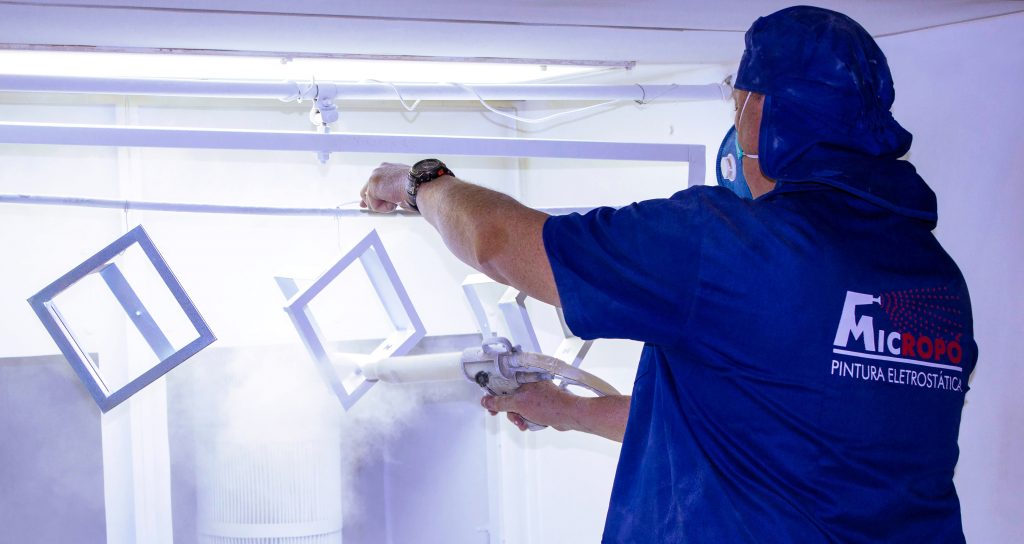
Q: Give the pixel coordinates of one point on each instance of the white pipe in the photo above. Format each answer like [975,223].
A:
[285,90]
[132,136]
[435,367]
[184,207]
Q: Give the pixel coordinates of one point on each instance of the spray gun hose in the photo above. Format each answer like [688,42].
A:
[568,373]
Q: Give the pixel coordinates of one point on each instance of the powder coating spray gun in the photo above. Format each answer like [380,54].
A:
[496,365]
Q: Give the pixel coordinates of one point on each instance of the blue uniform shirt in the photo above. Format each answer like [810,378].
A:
[805,363]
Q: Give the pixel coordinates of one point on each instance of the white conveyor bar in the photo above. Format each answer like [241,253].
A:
[194,138]
[290,90]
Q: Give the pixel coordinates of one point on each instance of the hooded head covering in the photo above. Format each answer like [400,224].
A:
[826,118]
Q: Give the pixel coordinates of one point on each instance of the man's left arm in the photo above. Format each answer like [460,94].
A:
[487,230]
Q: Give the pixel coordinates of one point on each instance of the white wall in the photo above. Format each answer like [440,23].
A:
[958,91]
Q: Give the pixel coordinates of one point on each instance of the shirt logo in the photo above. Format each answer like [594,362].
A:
[908,329]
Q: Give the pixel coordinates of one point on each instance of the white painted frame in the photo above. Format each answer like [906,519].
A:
[408,328]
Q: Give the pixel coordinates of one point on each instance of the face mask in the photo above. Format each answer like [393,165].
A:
[730,162]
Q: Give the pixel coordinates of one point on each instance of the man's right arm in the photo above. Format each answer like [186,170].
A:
[485,229]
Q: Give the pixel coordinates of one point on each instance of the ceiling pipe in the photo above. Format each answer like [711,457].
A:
[189,207]
[291,90]
[197,138]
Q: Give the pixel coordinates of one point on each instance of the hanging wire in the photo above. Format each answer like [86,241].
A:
[526,119]
[337,221]
[643,101]
[398,93]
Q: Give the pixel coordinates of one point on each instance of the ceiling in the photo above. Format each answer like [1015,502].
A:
[647,31]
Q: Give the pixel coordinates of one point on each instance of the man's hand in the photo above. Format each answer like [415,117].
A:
[542,403]
[386,189]
[546,404]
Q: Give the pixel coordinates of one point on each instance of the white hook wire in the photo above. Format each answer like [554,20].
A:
[526,119]
[398,93]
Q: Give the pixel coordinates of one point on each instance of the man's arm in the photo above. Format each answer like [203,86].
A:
[496,235]
[487,230]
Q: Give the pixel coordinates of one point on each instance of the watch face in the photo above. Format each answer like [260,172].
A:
[426,166]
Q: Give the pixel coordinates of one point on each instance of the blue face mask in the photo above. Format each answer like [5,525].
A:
[729,168]
[730,161]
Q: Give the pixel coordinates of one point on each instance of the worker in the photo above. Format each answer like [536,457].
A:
[807,341]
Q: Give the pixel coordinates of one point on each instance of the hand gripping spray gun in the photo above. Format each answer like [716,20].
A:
[496,365]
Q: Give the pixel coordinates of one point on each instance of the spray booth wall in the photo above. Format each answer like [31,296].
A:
[248,421]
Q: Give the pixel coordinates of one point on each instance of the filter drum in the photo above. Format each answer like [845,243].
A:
[277,493]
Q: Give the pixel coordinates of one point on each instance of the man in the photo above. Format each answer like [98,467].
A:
[807,351]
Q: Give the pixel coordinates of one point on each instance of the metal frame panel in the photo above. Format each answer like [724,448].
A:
[482,293]
[409,328]
[511,306]
[87,370]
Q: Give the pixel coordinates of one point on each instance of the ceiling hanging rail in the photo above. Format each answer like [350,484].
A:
[227,209]
[292,90]
[195,138]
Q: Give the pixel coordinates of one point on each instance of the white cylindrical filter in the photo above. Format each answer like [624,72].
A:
[270,493]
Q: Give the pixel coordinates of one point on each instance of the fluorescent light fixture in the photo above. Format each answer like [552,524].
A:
[147,325]
[253,68]
[341,370]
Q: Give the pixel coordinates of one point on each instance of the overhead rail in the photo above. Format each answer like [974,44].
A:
[188,207]
[314,90]
[195,138]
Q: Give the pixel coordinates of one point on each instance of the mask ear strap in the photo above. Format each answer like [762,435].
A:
[738,120]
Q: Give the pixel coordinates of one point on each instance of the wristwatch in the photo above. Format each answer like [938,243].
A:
[422,172]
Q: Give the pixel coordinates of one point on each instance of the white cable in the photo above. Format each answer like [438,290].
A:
[300,93]
[401,100]
[524,119]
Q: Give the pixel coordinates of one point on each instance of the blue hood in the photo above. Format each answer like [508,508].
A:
[826,118]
